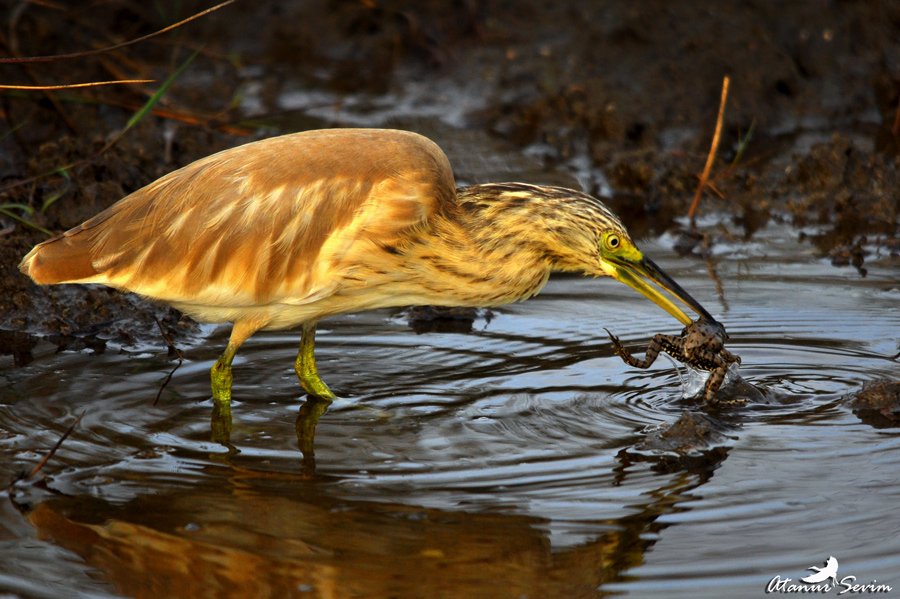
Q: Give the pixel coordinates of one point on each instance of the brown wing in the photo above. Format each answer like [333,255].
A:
[267,222]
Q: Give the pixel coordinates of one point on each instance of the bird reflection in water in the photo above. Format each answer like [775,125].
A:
[305,426]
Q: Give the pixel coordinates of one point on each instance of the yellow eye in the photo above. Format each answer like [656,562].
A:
[612,242]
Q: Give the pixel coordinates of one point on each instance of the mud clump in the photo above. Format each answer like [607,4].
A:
[690,434]
[837,184]
[444,319]
[851,254]
[694,443]
[877,403]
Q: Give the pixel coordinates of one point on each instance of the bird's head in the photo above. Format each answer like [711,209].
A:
[578,232]
[619,258]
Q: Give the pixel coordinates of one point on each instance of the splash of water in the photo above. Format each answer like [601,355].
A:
[694,381]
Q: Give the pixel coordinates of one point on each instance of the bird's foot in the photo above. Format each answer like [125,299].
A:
[221,378]
[220,424]
[315,387]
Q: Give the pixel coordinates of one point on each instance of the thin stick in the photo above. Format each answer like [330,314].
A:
[712,187]
[168,339]
[177,353]
[190,118]
[183,117]
[712,155]
[711,266]
[28,59]
[55,448]
[166,382]
[73,85]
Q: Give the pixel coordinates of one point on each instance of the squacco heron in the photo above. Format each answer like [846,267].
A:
[289,230]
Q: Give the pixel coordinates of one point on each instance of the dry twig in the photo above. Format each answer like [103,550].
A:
[712,154]
[30,59]
[73,85]
[172,348]
[52,452]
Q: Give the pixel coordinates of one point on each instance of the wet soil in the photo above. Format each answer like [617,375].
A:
[630,93]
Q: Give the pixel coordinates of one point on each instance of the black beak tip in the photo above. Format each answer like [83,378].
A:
[676,289]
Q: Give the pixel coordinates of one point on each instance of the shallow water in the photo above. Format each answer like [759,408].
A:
[502,462]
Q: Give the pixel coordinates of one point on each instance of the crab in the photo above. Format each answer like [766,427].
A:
[701,345]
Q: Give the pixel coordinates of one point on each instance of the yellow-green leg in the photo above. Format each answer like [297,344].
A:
[306,365]
[220,376]
[309,378]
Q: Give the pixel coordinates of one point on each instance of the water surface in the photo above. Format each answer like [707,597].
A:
[500,462]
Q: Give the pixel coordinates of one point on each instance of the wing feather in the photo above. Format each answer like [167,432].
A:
[274,221]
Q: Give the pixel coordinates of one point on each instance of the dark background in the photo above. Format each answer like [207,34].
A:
[630,89]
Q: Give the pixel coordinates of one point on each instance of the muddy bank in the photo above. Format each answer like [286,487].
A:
[622,99]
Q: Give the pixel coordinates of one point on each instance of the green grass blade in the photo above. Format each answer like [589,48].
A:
[50,200]
[140,114]
[13,130]
[24,221]
[743,142]
[26,209]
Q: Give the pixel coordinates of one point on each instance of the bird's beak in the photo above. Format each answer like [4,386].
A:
[629,271]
